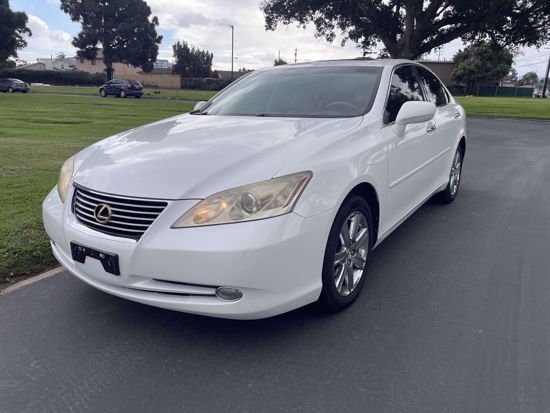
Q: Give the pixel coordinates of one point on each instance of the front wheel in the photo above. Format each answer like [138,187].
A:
[450,192]
[347,253]
[10,89]
[102,93]
[122,94]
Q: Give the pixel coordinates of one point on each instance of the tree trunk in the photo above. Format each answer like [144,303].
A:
[109,70]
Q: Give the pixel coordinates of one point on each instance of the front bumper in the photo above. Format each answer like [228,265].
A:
[276,262]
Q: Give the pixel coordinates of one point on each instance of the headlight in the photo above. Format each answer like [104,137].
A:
[265,199]
[65,177]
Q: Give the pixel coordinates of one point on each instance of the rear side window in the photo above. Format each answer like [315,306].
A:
[436,92]
[405,87]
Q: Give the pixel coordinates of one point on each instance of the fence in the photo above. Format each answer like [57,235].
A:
[503,91]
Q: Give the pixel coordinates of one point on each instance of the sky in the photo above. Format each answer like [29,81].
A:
[206,24]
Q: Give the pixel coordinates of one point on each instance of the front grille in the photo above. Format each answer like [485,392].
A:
[130,217]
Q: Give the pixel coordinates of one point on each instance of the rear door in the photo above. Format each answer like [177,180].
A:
[447,120]
[410,173]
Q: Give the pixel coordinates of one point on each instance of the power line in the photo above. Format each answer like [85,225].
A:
[531,57]
[532,63]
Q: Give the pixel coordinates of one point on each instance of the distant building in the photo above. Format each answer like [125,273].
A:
[51,64]
[32,66]
[97,65]
[442,68]
[162,64]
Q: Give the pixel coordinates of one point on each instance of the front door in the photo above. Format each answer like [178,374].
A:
[410,156]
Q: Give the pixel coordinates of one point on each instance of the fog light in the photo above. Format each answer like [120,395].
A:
[229,294]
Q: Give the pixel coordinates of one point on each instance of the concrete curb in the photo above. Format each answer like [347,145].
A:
[32,280]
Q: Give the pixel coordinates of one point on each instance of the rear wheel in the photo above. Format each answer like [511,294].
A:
[450,192]
[347,253]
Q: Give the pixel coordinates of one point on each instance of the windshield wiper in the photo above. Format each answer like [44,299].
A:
[198,112]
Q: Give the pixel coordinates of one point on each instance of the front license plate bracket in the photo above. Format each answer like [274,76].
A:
[108,261]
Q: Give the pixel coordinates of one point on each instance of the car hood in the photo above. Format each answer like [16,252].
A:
[193,156]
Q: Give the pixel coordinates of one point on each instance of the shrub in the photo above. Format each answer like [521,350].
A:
[54,77]
[197,83]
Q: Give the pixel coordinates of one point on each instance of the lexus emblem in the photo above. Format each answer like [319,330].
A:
[102,213]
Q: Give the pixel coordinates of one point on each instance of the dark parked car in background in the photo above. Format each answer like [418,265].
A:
[122,88]
[13,85]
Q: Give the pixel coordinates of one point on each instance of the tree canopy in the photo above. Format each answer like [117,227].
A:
[411,28]
[191,61]
[122,28]
[13,28]
[529,78]
[483,61]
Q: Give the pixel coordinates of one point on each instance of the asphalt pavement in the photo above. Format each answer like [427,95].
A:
[454,317]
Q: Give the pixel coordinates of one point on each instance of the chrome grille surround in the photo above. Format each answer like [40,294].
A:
[130,217]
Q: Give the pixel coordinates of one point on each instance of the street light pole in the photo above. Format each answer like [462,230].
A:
[546,77]
[232,49]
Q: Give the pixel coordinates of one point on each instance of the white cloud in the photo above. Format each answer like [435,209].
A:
[205,24]
[46,42]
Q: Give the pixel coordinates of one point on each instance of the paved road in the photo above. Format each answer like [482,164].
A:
[455,317]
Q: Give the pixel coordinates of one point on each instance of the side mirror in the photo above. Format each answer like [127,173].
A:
[413,112]
[199,105]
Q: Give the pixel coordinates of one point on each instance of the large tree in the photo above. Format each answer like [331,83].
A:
[122,28]
[483,61]
[529,78]
[191,61]
[13,28]
[411,28]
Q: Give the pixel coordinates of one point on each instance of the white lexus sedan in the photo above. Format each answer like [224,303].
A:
[268,197]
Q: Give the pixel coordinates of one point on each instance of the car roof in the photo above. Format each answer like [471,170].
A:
[359,62]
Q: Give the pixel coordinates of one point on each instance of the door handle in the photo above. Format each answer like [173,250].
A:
[457,115]
[431,128]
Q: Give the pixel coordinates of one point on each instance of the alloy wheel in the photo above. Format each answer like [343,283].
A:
[351,253]
[456,170]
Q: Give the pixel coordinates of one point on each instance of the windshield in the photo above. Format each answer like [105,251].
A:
[325,91]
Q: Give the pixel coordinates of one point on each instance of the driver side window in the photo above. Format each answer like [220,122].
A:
[405,87]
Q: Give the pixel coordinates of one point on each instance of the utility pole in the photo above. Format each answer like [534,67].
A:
[546,77]
[232,49]
[296,55]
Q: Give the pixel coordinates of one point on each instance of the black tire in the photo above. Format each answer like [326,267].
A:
[331,299]
[449,194]
[102,93]
[10,90]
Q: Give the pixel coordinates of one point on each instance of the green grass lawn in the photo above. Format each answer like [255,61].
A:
[37,133]
[522,108]
[149,92]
